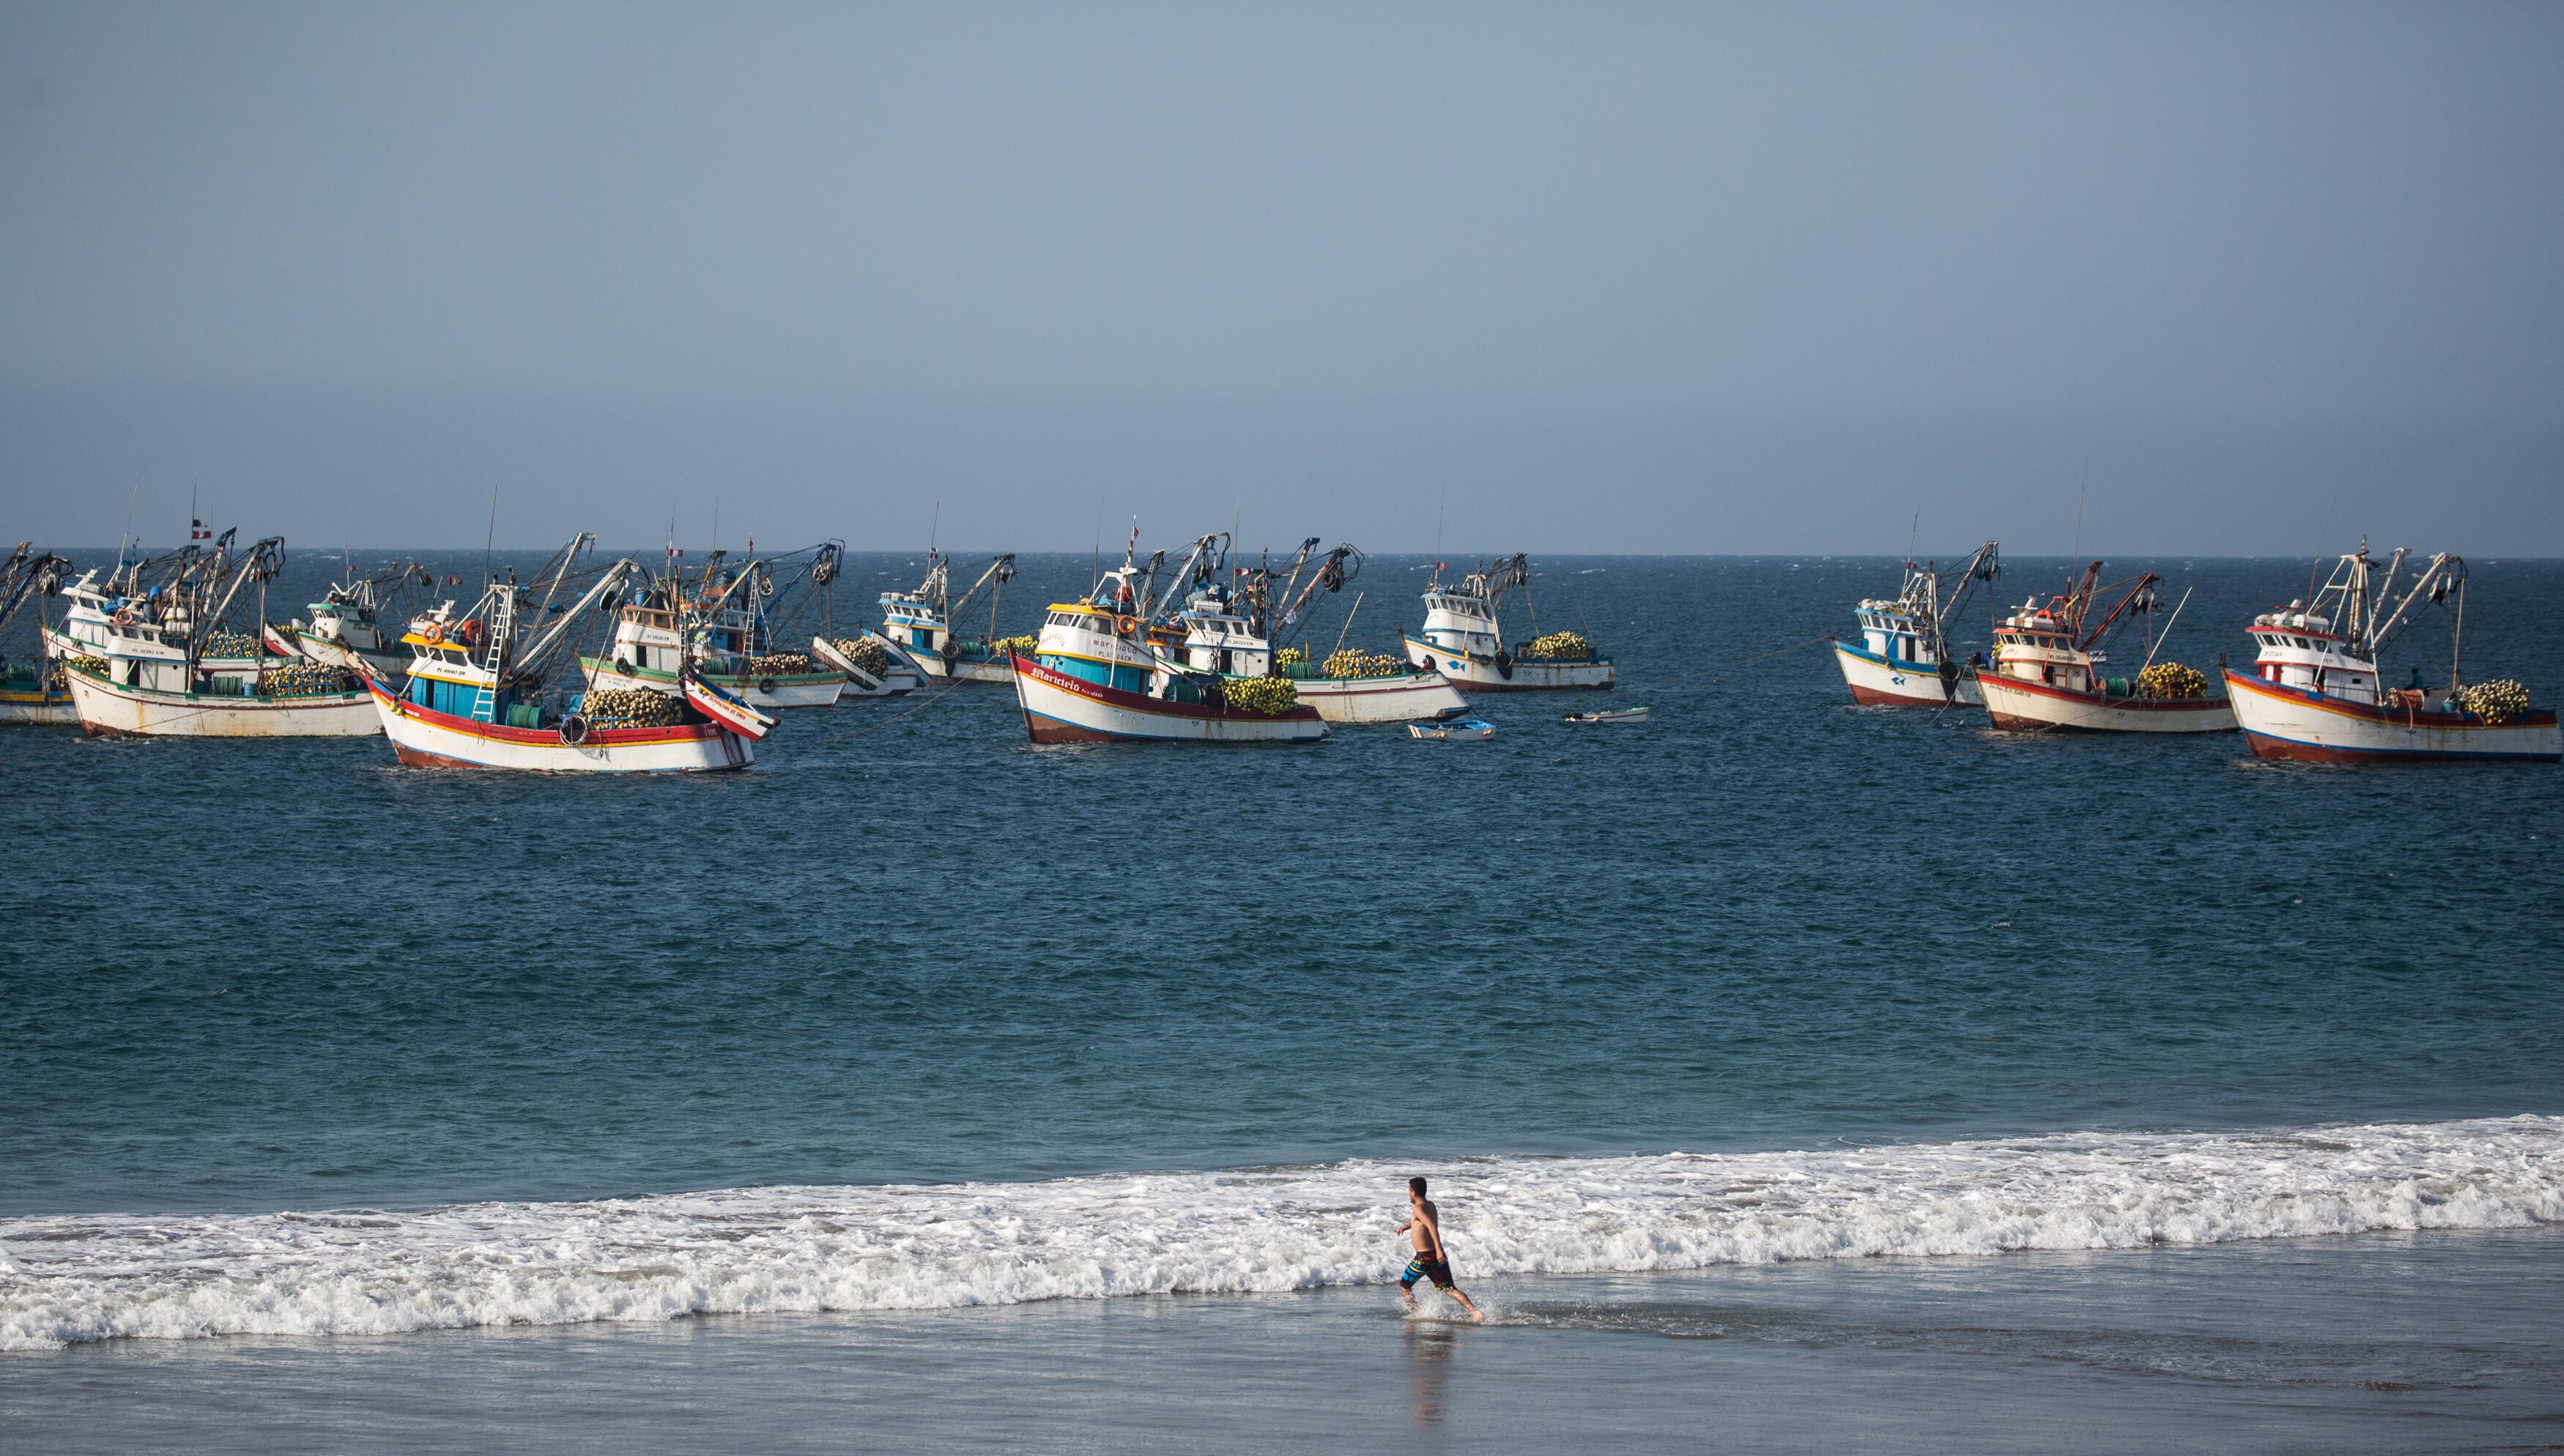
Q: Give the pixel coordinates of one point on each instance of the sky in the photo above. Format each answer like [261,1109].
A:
[2210,278]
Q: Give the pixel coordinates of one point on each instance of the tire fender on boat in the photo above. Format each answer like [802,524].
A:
[573,730]
[765,686]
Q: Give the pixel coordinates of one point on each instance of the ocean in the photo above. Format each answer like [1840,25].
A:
[1789,1073]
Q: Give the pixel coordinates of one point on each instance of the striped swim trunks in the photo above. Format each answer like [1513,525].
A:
[1421,1267]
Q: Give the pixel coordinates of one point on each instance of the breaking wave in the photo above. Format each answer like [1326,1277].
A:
[66,1280]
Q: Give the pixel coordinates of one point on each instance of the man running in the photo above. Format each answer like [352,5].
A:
[1433,1261]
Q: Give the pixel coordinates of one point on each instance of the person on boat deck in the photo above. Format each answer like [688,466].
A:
[1432,1260]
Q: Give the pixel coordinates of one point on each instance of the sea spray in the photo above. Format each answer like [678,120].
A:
[65,1280]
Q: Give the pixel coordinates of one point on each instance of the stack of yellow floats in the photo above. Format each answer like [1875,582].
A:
[622,708]
[1268,696]
[2172,680]
[2497,702]
[1353,661]
[1559,647]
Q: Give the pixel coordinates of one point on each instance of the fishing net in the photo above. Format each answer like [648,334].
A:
[1559,647]
[622,708]
[2172,680]
[1353,661]
[2497,702]
[1267,696]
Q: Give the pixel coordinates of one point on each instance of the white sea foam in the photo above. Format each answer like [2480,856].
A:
[64,1280]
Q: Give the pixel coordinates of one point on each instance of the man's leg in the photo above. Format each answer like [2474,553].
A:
[1475,1313]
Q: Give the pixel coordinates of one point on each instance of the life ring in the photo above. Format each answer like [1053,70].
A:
[573,730]
[125,616]
[433,633]
[1126,626]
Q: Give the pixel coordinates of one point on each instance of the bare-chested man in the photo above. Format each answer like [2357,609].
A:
[1433,1261]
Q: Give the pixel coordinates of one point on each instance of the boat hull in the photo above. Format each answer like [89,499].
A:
[33,706]
[1059,709]
[423,738]
[1886,681]
[1526,675]
[339,655]
[2298,723]
[1404,698]
[772,689]
[961,670]
[860,683]
[2020,707]
[109,708]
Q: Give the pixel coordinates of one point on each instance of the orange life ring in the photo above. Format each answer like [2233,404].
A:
[125,616]
[1125,625]
[434,632]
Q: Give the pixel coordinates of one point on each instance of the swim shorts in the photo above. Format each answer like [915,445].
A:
[1421,1267]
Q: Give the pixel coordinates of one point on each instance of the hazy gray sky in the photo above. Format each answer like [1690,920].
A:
[1612,278]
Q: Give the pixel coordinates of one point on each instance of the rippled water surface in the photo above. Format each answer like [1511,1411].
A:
[909,945]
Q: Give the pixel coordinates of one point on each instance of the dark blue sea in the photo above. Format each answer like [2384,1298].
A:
[1791,1073]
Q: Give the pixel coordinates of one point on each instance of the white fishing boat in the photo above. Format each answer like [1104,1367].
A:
[32,692]
[918,625]
[165,590]
[155,677]
[1904,658]
[2317,690]
[473,698]
[1351,685]
[359,622]
[1106,670]
[1455,731]
[1609,714]
[2051,669]
[721,629]
[1463,638]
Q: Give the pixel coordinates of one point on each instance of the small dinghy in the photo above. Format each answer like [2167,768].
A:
[1609,714]
[1457,730]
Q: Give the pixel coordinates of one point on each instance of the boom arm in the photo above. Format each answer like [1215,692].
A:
[530,663]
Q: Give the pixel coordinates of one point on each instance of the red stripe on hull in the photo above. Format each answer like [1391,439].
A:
[1873,697]
[420,759]
[1158,706]
[1053,730]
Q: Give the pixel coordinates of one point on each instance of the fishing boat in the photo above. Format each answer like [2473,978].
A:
[1350,685]
[2316,692]
[156,676]
[724,629]
[1904,658]
[1463,638]
[359,622]
[1609,714]
[473,696]
[917,626]
[32,692]
[165,591]
[1116,666]
[2051,669]
[1455,731]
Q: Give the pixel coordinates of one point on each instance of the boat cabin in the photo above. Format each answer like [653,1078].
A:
[1895,631]
[2301,650]
[1462,623]
[2035,645]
